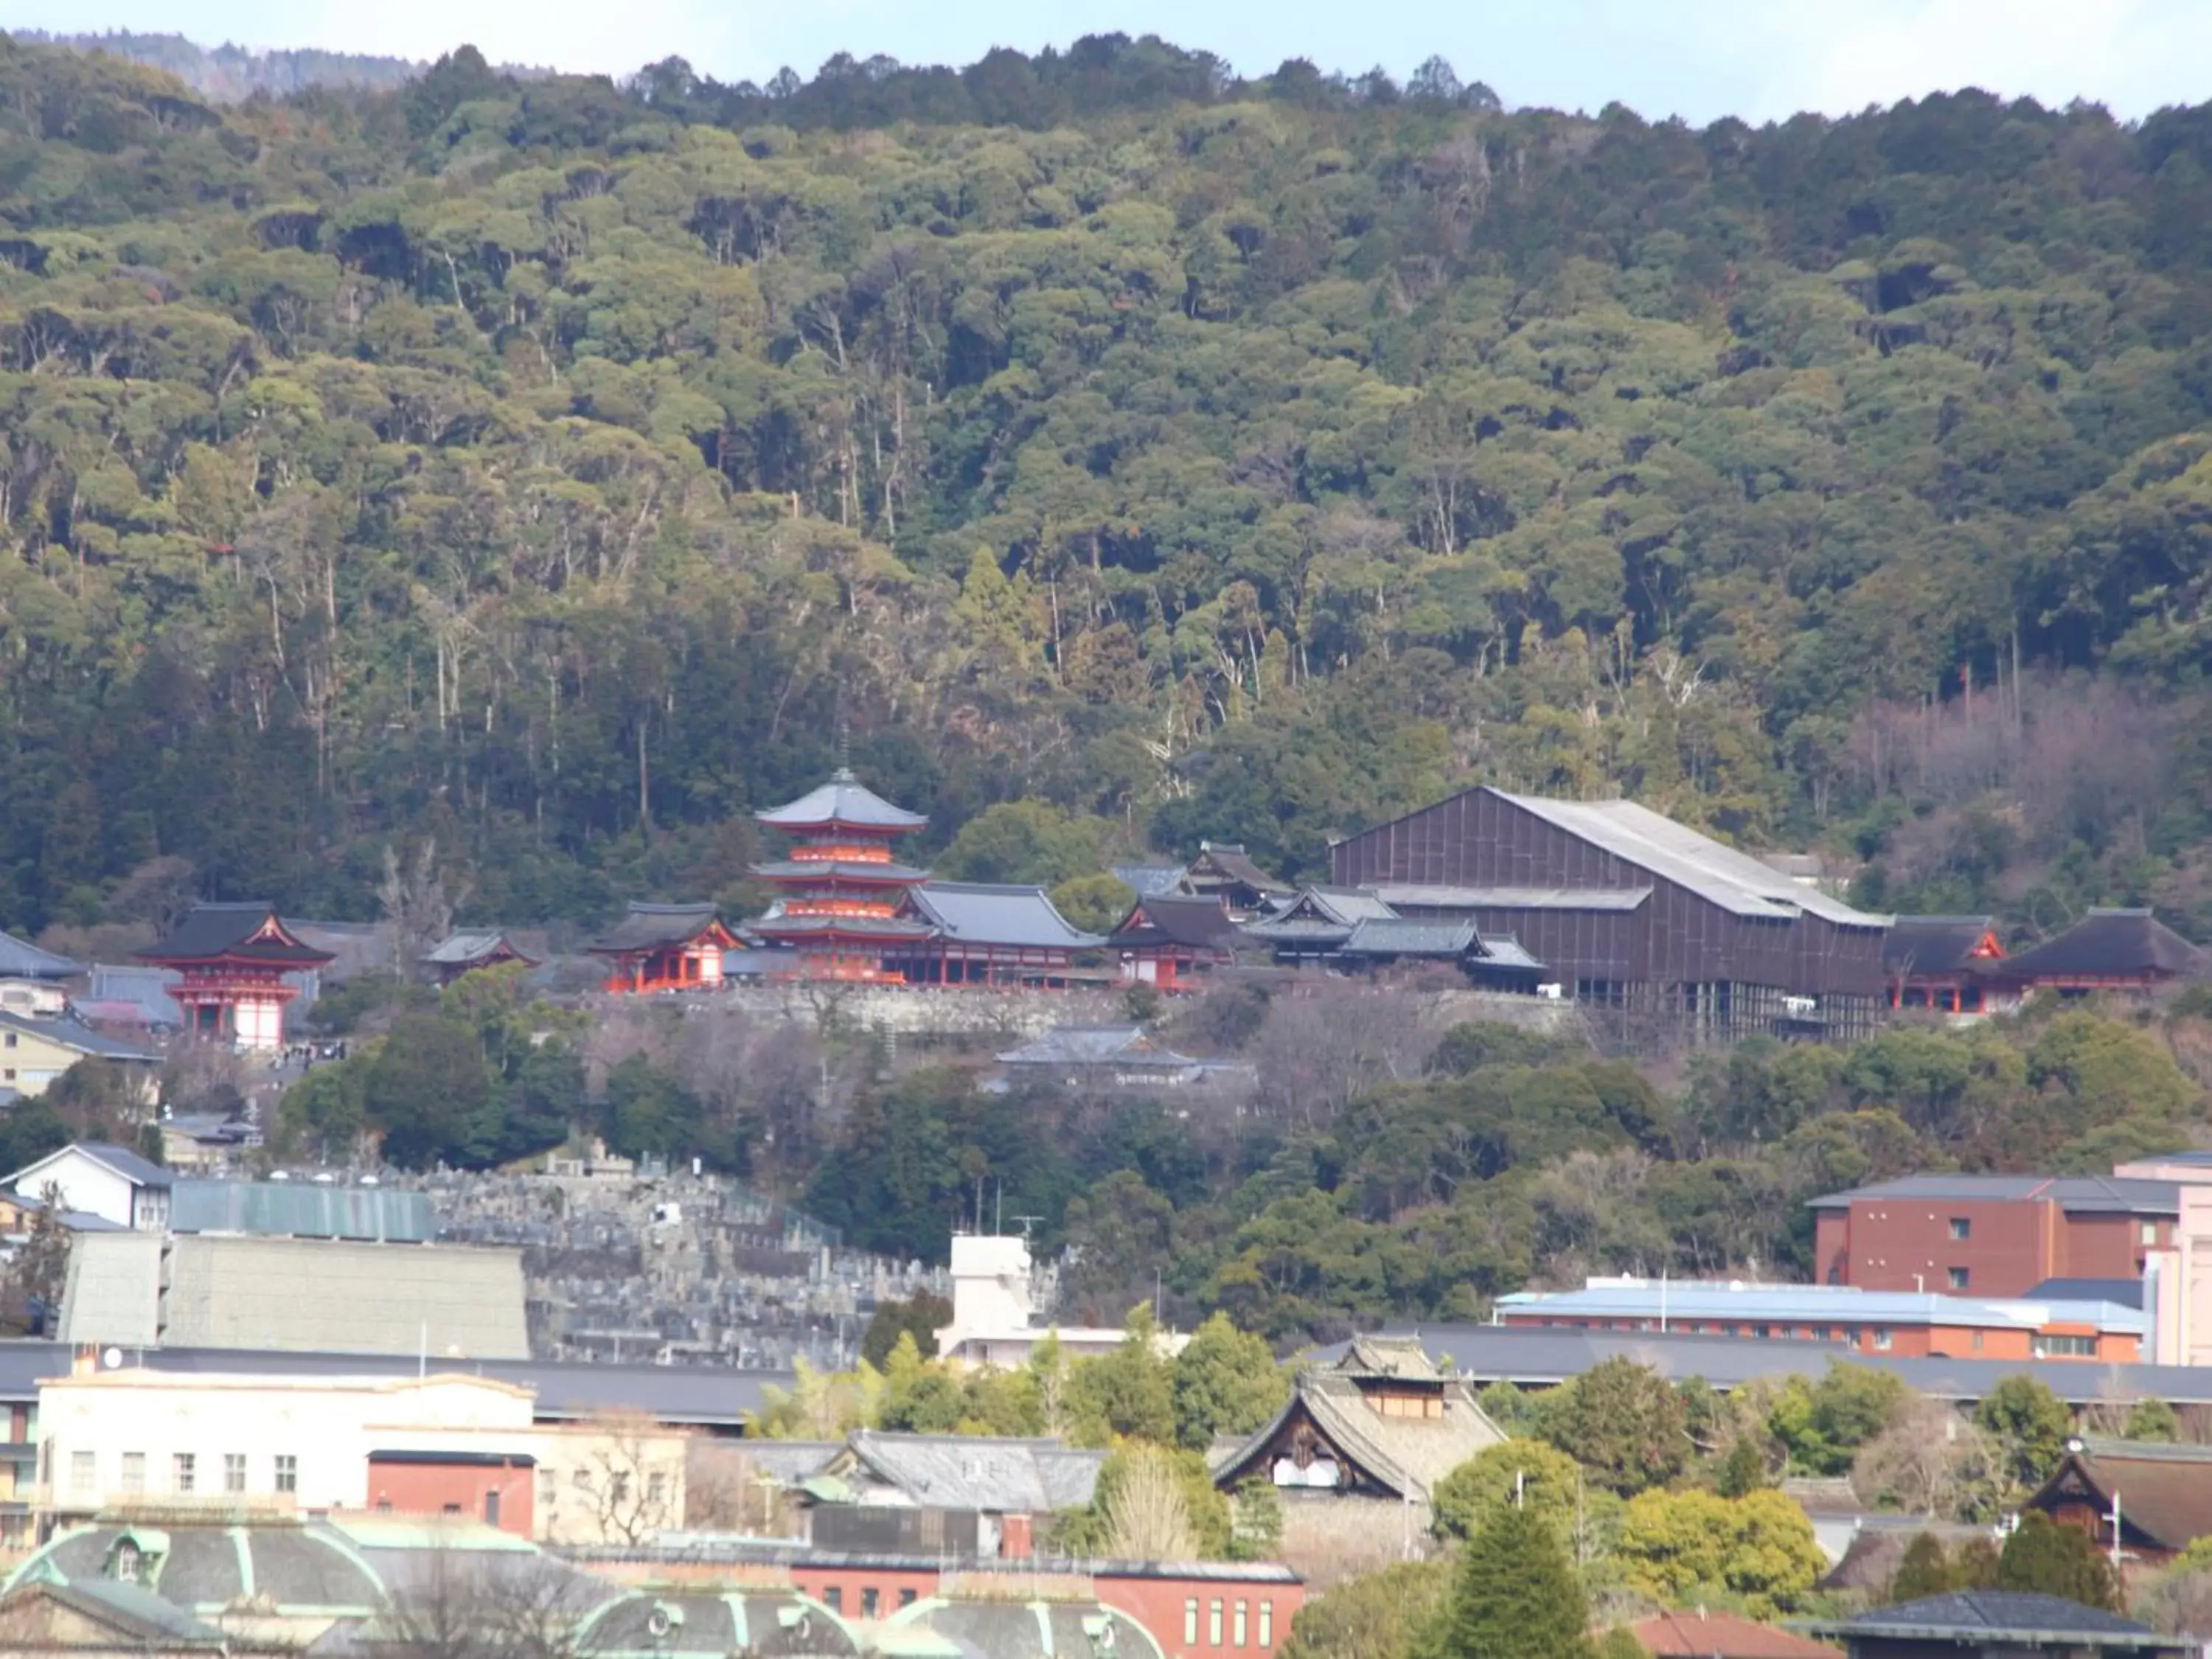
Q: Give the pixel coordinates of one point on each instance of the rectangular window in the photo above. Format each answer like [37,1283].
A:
[1961,1229]
[134,1472]
[1213,1622]
[1978,1341]
[83,1471]
[2150,1232]
[287,1471]
[1237,1628]
[491,1509]
[183,1470]
[868,1602]
[1881,1336]
[906,1597]
[2065,1348]
[234,1471]
[1266,1624]
[1190,1622]
[1958,1279]
[11,1039]
[656,1487]
[833,1597]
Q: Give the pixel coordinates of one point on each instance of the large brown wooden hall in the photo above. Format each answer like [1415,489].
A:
[1627,908]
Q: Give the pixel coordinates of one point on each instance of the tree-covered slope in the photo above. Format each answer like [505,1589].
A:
[551,468]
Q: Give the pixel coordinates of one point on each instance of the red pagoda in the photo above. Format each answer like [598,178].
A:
[841,887]
[232,961]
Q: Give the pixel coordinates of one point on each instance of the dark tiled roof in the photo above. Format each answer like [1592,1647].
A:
[144,989]
[2076,1194]
[966,1472]
[843,800]
[842,869]
[473,945]
[251,930]
[121,1160]
[2165,1491]
[1229,861]
[656,926]
[2017,1613]
[1933,944]
[2106,945]
[20,959]
[1193,921]
[775,924]
[998,912]
[1504,951]
[1397,936]
[139,1612]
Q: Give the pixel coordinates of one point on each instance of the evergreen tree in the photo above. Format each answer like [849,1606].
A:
[2152,1420]
[2043,1556]
[1517,1596]
[1925,1570]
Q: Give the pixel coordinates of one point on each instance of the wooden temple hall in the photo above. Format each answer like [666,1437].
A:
[1630,910]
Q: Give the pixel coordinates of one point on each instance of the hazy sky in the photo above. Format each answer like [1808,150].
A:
[1699,58]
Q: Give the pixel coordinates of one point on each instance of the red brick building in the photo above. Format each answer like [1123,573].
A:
[1996,1235]
[497,1488]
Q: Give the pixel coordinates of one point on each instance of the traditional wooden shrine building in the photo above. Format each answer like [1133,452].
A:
[1170,940]
[1632,911]
[2122,951]
[1315,925]
[472,948]
[232,961]
[2160,1494]
[984,932]
[1224,872]
[841,887]
[1940,962]
[667,947]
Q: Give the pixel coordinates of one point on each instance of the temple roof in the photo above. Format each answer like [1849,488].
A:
[474,944]
[775,924]
[888,875]
[1227,860]
[1201,923]
[2106,945]
[843,800]
[1935,945]
[249,931]
[657,926]
[998,912]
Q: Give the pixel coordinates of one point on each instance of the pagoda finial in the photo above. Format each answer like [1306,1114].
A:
[844,737]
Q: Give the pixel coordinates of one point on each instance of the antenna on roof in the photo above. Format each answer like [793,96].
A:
[1027,1221]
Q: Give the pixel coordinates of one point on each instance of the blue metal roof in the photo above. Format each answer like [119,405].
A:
[20,959]
[1814,1304]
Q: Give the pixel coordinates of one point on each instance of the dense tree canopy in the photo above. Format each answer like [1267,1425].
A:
[547,470]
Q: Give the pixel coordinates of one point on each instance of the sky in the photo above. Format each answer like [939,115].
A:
[1701,59]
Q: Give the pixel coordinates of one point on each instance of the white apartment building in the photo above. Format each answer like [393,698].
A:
[994,1313]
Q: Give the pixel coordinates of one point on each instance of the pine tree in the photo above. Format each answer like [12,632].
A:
[1517,1597]
[1924,1570]
[2043,1556]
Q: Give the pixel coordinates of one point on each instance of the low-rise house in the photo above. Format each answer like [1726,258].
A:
[2160,1496]
[97,1178]
[1358,1448]
[939,1494]
[20,959]
[1116,1056]
[36,1049]
[1996,1624]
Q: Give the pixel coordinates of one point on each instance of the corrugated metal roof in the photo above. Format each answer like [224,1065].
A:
[1813,1304]
[1718,873]
[20,959]
[144,989]
[843,800]
[302,1210]
[1432,896]
[2082,1195]
[997,912]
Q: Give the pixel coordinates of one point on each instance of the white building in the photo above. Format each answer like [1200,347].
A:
[994,1313]
[96,1178]
[312,1444]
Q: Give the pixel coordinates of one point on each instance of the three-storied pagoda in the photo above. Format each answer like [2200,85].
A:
[231,960]
[841,887]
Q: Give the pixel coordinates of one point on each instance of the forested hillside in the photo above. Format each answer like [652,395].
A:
[548,471]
